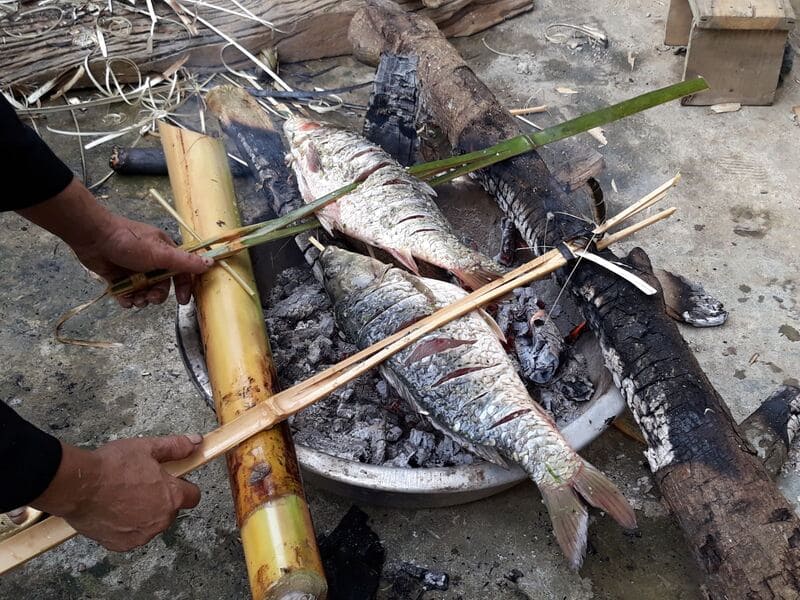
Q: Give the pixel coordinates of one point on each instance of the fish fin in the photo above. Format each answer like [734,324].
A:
[493,325]
[405,258]
[476,277]
[487,453]
[601,493]
[570,521]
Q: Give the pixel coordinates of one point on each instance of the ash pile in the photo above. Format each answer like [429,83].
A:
[366,421]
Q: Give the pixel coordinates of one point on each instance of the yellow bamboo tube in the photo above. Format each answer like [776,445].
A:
[277,535]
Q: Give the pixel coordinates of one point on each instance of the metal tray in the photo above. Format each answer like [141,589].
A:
[405,487]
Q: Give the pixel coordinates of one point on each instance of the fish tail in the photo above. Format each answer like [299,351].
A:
[570,521]
[565,504]
[476,276]
[598,491]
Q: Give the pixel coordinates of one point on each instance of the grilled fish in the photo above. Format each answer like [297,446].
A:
[461,378]
[391,209]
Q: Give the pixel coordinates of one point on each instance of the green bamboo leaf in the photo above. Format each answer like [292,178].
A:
[528,141]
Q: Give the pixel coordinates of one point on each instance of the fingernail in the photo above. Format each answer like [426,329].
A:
[208,261]
[195,438]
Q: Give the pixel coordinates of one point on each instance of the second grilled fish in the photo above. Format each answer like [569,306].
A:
[461,378]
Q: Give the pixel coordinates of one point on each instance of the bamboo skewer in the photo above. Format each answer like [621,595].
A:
[47,534]
[646,202]
[222,263]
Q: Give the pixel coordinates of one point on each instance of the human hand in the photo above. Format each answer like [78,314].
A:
[115,247]
[124,247]
[119,494]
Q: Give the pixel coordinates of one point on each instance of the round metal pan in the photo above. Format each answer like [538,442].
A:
[416,488]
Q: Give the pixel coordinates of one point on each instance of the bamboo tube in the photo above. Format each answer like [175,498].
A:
[277,535]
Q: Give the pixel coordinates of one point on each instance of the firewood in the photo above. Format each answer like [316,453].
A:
[741,530]
[151,161]
[41,51]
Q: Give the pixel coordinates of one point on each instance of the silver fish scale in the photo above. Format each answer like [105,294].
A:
[390,209]
[469,404]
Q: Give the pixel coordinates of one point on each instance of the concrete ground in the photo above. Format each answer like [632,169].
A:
[735,233]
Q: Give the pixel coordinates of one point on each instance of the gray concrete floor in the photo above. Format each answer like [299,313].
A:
[735,232]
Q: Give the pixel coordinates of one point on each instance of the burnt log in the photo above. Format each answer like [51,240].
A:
[151,161]
[41,45]
[772,427]
[391,119]
[742,532]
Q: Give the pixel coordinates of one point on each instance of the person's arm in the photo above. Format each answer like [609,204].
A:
[118,494]
[41,188]
[115,247]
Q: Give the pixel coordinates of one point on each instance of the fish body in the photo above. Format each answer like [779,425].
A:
[461,378]
[390,209]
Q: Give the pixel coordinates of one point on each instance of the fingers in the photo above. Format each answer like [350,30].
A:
[174,259]
[156,294]
[183,288]
[173,447]
[188,494]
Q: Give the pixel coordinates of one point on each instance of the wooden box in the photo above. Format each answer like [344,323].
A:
[737,45]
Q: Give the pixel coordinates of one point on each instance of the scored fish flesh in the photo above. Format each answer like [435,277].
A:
[390,209]
[461,378]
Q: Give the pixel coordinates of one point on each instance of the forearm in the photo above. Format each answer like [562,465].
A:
[73,214]
[29,460]
[30,170]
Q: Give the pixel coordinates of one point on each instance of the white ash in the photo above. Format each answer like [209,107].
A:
[366,421]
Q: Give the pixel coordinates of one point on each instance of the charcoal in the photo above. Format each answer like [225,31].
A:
[353,556]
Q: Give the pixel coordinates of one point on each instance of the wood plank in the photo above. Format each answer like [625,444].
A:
[303,30]
[743,14]
[740,66]
[679,22]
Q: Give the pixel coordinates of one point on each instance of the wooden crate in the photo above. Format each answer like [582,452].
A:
[737,45]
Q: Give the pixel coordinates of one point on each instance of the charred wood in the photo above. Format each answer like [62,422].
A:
[391,117]
[151,161]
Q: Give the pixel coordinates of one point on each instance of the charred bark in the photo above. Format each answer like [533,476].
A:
[772,427]
[391,116]
[742,531]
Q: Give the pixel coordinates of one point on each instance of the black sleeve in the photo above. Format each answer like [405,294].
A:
[29,169]
[29,459]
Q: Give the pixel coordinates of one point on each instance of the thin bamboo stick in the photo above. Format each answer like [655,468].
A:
[646,202]
[277,534]
[532,110]
[47,534]
[222,263]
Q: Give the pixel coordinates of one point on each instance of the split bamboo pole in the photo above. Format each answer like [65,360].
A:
[277,535]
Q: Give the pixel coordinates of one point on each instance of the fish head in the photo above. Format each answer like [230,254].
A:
[305,158]
[347,273]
